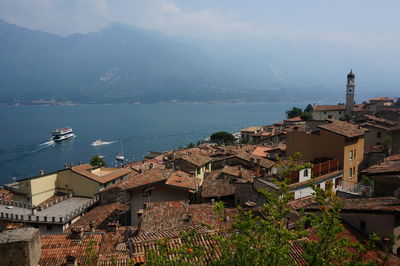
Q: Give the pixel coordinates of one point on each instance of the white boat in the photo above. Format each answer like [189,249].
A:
[99,142]
[62,134]
[120,157]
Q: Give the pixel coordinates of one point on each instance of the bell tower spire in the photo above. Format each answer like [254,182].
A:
[350,88]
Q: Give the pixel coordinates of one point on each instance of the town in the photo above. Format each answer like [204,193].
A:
[116,216]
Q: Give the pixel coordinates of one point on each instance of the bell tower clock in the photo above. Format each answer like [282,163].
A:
[350,87]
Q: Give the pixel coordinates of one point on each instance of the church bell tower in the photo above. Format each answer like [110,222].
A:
[350,87]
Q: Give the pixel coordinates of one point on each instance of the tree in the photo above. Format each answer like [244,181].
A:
[222,137]
[190,145]
[97,161]
[306,116]
[295,111]
[309,108]
[263,238]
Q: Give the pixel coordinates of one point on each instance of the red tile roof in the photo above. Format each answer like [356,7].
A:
[183,180]
[216,186]
[195,159]
[6,195]
[344,129]
[294,119]
[100,216]
[56,247]
[85,170]
[341,107]
[240,174]
[148,177]
[265,163]
[386,167]
[377,99]
[160,216]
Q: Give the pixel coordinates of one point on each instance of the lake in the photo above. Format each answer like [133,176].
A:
[136,129]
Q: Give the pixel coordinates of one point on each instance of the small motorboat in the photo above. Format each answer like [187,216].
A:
[99,142]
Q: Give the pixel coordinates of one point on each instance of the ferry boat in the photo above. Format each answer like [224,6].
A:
[62,134]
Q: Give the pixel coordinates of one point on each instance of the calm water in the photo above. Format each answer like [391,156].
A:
[25,130]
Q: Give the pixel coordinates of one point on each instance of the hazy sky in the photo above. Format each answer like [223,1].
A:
[370,22]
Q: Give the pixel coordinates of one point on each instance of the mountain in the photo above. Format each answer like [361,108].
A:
[117,64]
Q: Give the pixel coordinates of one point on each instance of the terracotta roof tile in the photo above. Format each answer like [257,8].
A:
[216,186]
[343,128]
[85,170]
[195,159]
[100,216]
[239,173]
[148,177]
[251,129]
[390,166]
[6,195]
[330,107]
[56,247]
[265,163]
[183,180]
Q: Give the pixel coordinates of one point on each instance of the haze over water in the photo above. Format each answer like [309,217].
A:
[25,150]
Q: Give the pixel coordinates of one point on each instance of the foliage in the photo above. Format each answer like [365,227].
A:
[263,237]
[190,145]
[309,108]
[295,111]
[91,254]
[222,137]
[97,161]
[306,116]
[387,143]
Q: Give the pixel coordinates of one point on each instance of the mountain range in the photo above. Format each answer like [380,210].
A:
[126,64]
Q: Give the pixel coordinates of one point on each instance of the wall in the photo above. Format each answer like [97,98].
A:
[43,188]
[20,247]
[384,186]
[396,142]
[323,115]
[160,193]
[382,224]
[371,138]
[80,185]
[357,145]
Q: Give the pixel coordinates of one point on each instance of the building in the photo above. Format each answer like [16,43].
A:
[340,112]
[193,164]
[160,185]
[331,139]
[246,134]
[82,181]
[386,176]
[324,175]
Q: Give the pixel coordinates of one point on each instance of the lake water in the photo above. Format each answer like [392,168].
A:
[24,131]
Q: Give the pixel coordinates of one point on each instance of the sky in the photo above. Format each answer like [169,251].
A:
[363,34]
[356,21]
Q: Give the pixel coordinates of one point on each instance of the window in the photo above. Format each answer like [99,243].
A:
[146,192]
[337,182]
[306,172]
[354,170]
[351,155]
[340,112]
[355,154]
[198,171]
[362,225]
[351,172]
[325,113]
[318,185]
[48,227]
[329,117]
[378,134]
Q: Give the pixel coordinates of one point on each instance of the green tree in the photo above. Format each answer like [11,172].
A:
[306,116]
[263,238]
[190,145]
[309,108]
[295,111]
[97,161]
[91,253]
[222,137]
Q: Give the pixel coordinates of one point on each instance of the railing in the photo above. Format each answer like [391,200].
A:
[33,218]
[15,204]
[359,189]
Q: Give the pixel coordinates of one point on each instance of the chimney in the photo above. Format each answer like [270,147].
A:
[77,233]
[252,162]
[92,225]
[112,227]
[42,172]
[71,260]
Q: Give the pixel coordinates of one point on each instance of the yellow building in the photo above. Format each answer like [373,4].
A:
[82,181]
[333,139]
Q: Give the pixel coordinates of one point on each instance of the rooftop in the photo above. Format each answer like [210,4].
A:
[100,216]
[240,174]
[340,107]
[161,216]
[148,177]
[180,179]
[265,163]
[56,247]
[344,129]
[386,167]
[195,159]
[216,186]
[251,129]
[377,99]
[101,175]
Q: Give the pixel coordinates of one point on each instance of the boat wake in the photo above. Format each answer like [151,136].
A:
[101,143]
[21,152]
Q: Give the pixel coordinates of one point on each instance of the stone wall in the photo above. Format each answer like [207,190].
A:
[20,247]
